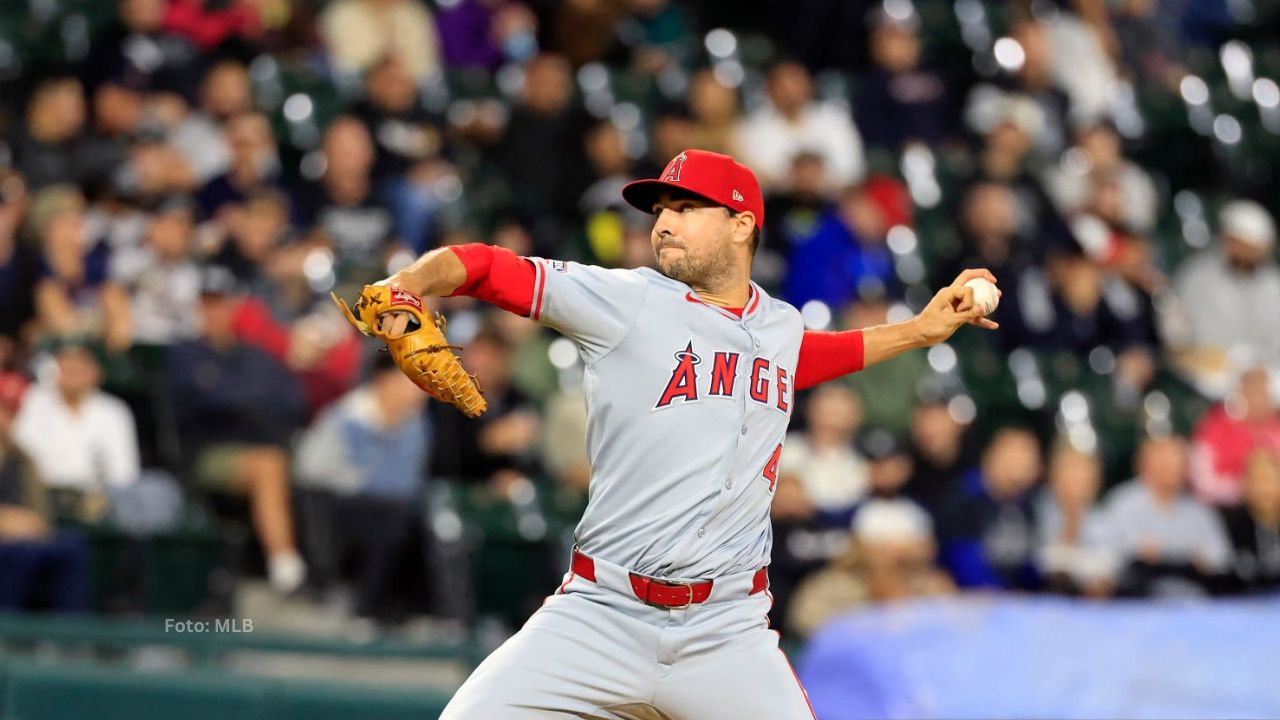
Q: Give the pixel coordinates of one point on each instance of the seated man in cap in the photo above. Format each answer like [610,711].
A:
[235,408]
[1229,294]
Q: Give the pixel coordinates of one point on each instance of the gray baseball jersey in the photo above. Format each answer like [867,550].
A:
[687,408]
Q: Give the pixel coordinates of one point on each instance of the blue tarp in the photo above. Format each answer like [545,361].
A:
[987,657]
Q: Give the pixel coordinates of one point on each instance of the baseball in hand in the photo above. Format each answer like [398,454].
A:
[985,295]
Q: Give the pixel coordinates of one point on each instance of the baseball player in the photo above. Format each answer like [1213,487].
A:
[690,378]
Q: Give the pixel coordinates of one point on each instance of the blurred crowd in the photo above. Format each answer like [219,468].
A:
[183,182]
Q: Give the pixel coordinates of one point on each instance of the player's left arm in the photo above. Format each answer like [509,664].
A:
[828,355]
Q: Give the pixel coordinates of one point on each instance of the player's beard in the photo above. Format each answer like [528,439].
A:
[706,271]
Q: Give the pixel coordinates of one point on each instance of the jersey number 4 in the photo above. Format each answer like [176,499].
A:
[771,468]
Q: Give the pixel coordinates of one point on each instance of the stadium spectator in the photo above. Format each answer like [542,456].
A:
[1149,43]
[24,504]
[994,236]
[890,557]
[283,314]
[236,408]
[1074,307]
[801,544]
[939,456]
[888,390]
[794,211]
[254,166]
[358,33]
[610,168]
[209,25]
[1254,527]
[1101,229]
[34,561]
[834,475]
[201,135]
[119,113]
[715,111]
[1006,157]
[792,121]
[83,441]
[1072,548]
[1227,293]
[254,230]
[481,34]
[1098,153]
[845,254]
[138,49]
[1029,96]
[364,459]
[48,145]
[541,152]
[672,131]
[404,134]
[988,531]
[75,296]
[500,445]
[162,280]
[1228,434]
[19,259]
[407,146]
[888,465]
[656,35]
[899,100]
[342,205]
[1081,49]
[1168,542]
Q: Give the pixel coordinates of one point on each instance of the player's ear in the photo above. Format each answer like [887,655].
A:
[744,226]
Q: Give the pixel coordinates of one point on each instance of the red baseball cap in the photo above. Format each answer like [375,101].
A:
[711,176]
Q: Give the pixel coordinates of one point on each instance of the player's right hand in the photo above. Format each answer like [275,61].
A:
[950,308]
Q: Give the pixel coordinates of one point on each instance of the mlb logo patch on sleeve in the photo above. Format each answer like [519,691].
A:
[559,266]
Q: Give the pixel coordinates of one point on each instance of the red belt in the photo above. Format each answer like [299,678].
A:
[665,593]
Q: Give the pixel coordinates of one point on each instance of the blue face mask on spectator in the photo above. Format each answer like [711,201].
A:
[520,46]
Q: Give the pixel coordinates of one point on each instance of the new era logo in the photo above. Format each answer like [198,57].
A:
[737,196]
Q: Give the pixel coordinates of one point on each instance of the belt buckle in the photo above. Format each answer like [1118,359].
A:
[687,586]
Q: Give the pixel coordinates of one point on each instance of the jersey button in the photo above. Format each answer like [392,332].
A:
[744,429]
[756,341]
[728,484]
[702,532]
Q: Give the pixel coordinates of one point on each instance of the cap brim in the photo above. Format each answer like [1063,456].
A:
[644,194]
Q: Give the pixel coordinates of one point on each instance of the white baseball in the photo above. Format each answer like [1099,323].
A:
[985,295]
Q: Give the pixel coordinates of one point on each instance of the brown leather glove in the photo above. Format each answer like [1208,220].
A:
[421,352]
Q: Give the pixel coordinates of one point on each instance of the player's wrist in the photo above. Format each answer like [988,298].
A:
[916,334]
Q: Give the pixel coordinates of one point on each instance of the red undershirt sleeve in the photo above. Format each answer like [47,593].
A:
[828,355]
[497,276]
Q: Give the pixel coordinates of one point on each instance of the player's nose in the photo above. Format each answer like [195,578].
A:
[664,224]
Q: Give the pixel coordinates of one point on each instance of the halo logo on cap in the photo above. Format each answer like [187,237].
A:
[674,168]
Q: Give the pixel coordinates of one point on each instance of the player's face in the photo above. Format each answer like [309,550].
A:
[692,240]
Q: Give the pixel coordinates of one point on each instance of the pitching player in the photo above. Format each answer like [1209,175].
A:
[690,377]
